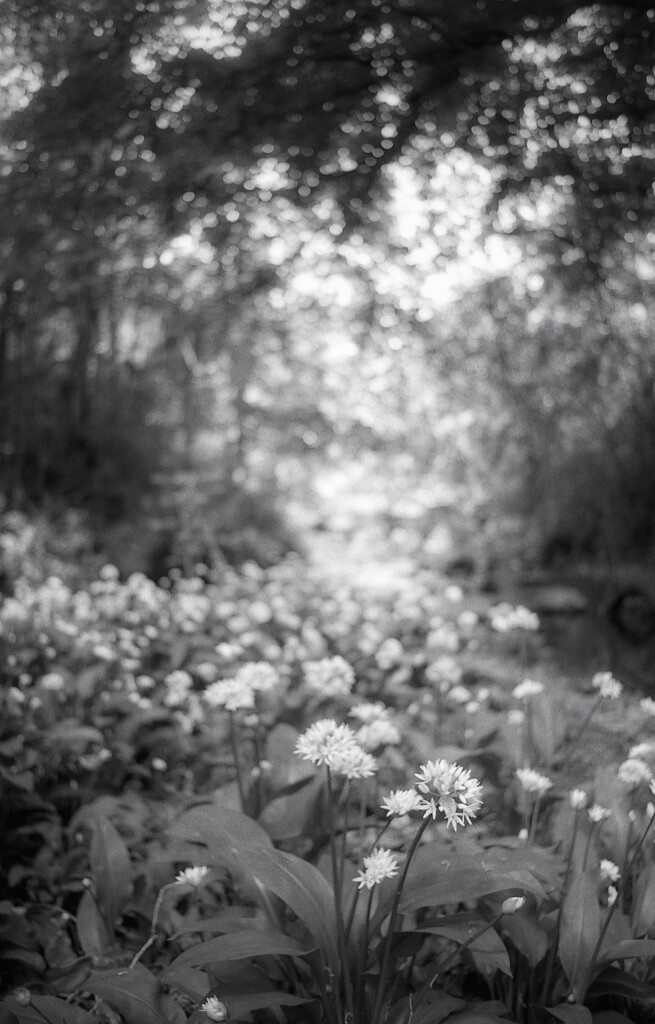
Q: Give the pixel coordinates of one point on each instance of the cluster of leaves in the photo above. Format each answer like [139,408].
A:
[151,727]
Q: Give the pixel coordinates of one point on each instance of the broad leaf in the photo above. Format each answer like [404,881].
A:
[611,1017]
[92,931]
[612,981]
[41,1009]
[238,946]
[643,912]
[239,843]
[137,996]
[627,950]
[488,950]
[579,929]
[111,869]
[238,1005]
[442,875]
[571,1013]
[435,1008]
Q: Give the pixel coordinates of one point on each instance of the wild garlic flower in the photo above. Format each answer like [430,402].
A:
[515,716]
[194,876]
[642,751]
[459,695]
[577,799]
[647,705]
[327,743]
[215,1009]
[609,871]
[389,653]
[598,813]
[401,801]
[607,685]
[451,790]
[178,685]
[354,762]
[258,676]
[505,617]
[331,677]
[634,771]
[379,865]
[230,694]
[444,670]
[612,893]
[528,688]
[366,713]
[533,782]
[379,733]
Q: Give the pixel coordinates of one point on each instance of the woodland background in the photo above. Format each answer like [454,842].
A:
[281,271]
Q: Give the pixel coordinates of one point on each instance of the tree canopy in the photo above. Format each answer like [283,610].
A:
[171,166]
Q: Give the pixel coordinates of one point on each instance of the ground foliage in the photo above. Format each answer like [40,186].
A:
[150,728]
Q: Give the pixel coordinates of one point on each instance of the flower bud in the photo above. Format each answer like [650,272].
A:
[512,905]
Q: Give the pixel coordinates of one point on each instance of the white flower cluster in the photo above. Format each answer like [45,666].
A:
[633,771]
[379,865]
[607,685]
[331,677]
[193,876]
[402,801]
[528,688]
[533,782]
[336,747]
[377,730]
[505,617]
[238,693]
[450,789]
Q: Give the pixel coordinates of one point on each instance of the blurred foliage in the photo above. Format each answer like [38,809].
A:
[247,241]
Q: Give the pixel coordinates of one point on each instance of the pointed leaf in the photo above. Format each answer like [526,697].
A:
[92,931]
[238,946]
[613,981]
[111,869]
[238,1005]
[643,912]
[571,1013]
[488,950]
[239,843]
[627,950]
[441,1005]
[580,929]
[135,993]
[611,1017]
[41,1009]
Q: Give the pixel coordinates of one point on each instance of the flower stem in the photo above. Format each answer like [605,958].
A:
[386,956]
[573,742]
[337,878]
[237,764]
[153,927]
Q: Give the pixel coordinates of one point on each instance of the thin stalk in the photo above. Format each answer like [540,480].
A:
[237,764]
[386,956]
[363,948]
[533,822]
[573,742]
[153,927]
[337,884]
